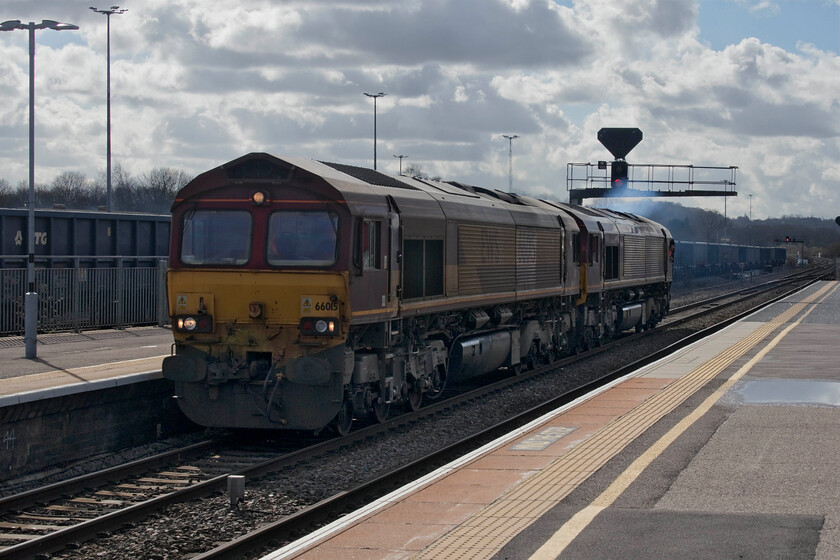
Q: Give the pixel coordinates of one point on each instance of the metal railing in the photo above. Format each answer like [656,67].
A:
[80,298]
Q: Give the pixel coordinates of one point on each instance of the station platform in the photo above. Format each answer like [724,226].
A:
[726,449]
[69,363]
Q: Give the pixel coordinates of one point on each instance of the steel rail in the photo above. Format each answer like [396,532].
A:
[753,289]
[56,490]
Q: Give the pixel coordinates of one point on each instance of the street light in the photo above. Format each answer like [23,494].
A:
[750,230]
[375,96]
[109,12]
[510,138]
[400,157]
[30,299]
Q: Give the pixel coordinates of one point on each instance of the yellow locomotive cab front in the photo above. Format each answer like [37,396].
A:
[249,329]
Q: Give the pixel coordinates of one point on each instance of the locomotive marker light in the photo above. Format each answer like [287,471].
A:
[258,198]
[31,297]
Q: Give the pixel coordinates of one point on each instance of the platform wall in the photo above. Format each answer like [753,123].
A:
[47,433]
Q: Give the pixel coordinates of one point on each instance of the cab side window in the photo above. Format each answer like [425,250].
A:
[371,250]
[594,250]
[576,248]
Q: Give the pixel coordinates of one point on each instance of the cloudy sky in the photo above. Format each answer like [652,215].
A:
[196,83]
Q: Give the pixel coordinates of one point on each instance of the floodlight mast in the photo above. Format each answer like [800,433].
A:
[375,96]
[108,13]
[510,138]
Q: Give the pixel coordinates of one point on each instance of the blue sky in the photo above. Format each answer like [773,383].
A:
[783,23]
[196,83]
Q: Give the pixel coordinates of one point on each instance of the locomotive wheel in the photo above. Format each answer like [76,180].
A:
[587,339]
[438,383]
[344,419]
[414,399]
[531,358]
[381,410]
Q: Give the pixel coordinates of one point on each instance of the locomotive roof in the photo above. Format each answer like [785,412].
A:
[423,198]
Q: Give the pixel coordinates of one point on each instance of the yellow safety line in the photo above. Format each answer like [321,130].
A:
[572,528]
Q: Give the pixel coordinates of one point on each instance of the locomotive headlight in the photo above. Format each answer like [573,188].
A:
[201,323]
[317,326]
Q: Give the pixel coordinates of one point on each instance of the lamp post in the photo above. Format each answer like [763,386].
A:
[400,157]
[750,229]
[510,138]
[30,307]
[375,96]
[108,13]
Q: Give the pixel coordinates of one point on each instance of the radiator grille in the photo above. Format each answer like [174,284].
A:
[634,257]
[486,259]
[538,254]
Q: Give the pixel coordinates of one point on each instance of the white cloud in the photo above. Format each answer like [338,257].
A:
[195,83]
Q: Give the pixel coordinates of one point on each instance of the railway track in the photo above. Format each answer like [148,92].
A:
[48,519]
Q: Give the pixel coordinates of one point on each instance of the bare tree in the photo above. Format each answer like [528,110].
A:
[709,224]
[415,170]
[6,194]
[125,189]
[68,188]
[20,195]
[158,188]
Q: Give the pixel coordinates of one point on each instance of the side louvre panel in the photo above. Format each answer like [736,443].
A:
[655,256]
[537,258]
[486,259]
[634,257]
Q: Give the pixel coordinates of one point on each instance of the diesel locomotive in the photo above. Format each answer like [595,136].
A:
[305,294]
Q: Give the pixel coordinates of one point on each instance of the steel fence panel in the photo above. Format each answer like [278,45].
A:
[13,286]
[82,298]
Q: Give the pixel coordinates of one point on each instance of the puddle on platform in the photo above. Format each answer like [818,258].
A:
[788,391]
